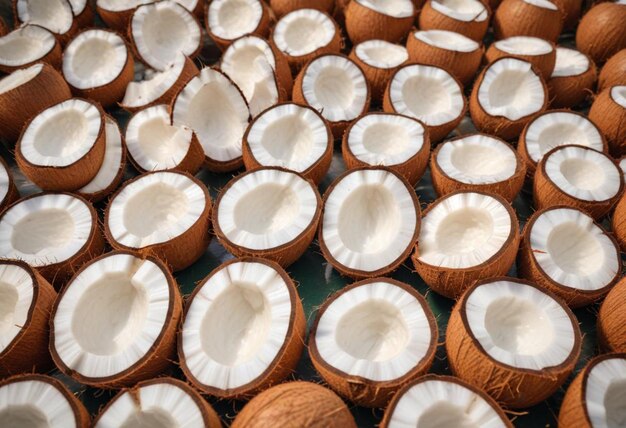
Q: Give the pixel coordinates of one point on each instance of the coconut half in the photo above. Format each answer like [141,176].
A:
[618,222]
[514,330]
[54,15]
[535,18]
[115,322]
[378,60]
[83,13]
[27,45]
[8,190]
[540,53]
[467,17]
[608,112]
[227,20]
[612,318]
[283,7]
[388,20]
[601,32]
[572,80]
[613,73]
[116,14]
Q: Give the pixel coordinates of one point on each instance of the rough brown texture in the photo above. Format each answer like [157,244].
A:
[116,20]
[12,194]
[431,19]
[613,73]
[571,91]
[518,18]
[52,57]
[571,11]
[601,32]
[612,319]
[85,18]
[543,63]
[376,77]
[610,118]
[363,23]
[283,7]
[618,222]
[262,29]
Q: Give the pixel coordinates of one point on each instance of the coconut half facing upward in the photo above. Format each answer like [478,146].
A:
[27,45]
[572,79]
[378,60]
[612,318]
[228,20]
[467,17]
[540,53]
[8,190]
[54,15]
[608,112]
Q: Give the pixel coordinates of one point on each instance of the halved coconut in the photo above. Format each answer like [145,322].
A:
[336,87]
[540,53]
[267,212]
[455,53]
[612,318]
[214,107]
[378,60]
[54,15]
[613,73]
[116,14]
[507,95]
[256,299]
[34,400]
[62,148]
[83,13]
[596,396]
[443,401]
[572,80]
[97,64]
[160,32]
[618,222]
[26,92]
[388,20]
[465,236]
[8,190]
[290,136]
[163,213]
[161,402]
[27,45]
[115,322]
[26,299]
[564,251]
[467,17]
[477,162]
[507,328]
[53,232]
[601,32]
[154,144]
[428,93]
[283,7]
[392,140]
[227,20]
[608,112]
[535,18]
[372,337]
[371,222]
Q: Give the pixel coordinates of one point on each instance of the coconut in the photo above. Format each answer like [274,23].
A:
[8,190]
[98,65]
[398,142]
[83,13]
[165,213]
[613,73]
[619,222]
[540,53]
[297,404]
[563,250]
[453,52]
[467,17]
[290,136]
[54,15]
[428,93]
[116,14]
[388,20]
[601,32]
[53,232]
[608,112]
[372,337]
[216,110]
[27,45]
[572,80]
[26,92]
[283,7]
[612,318]
[507,95]
[336,87]
[571,12]
[25,310]
[62,148]
[512,339]
[267,212]
[536,18]
[371,222]
[154,144]
[227,20]
[194,6]
[477,162]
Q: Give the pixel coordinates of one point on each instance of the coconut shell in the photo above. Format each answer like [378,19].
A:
[262,29]
[610,118]
[44,90]
[63,38]
[12,193]
[432,19]
[295,404]
[571,91]
[572,10]
[612,319]
[86,17]
[52,57]
[377,78]
[518,18]
[542,63]
[117,20]
[363,391]
[601,32]
[363,23]
[283,7]
[618,224]
[614,71]
[511,386]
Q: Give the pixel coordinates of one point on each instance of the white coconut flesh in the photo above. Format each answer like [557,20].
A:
[155,208]
[605,393]
[62,134]
[461,10]
[78,6]
[573,251]
[618,94]
[45,229]
[121,5]
[25,44]
[477,159]
[381,54]
[393,8]
[524,45]
[112,161]
[464,230]
[19,77]
[94,58]
[231,19]
[427,93]
[212,105]
[519,325]
[236,325]
[554,129]
[190,5]
[369,220]
[289,136]
[153,84]
[569,62]
[447,40]
[385,139]
[377,331]
[5,181]
[622,166]
[111,315]
[303,31]
[16,299]
[510,88]
[266,209]
[54,15]
[162,31]
[336,87]
[543,4]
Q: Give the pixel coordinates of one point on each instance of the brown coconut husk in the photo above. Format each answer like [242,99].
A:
[431,19]
[262,29]
[618,222]
[86,17]
[542,63]
[571,91]
[12,193]
[601,32]
[116,20]
[518,18]
[610,118]
[612,319]
[363,23]
[283,7]
[376,77]
[52,57]
[63,38]
[614,71]
[571,10]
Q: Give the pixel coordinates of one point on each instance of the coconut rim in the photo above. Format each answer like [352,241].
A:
[528,41]
[586,371]
[223,39]
[43,30]
[418,35]
[371,6]
[361,48]
[336,34]
[485,13]
[557,48]
[15,9]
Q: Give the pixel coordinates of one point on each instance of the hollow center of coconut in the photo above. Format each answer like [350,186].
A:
[605,393]
[55,15]
[267,208]
[19,78]
[442,414]
[25,45]
[249,62]
[574,249]
[43,230]
[477,161]
[62,135]
[161,206]
[426,95]
[464,231]
[582,173]
[381,54]
[395,8]
[153,418]
[25,415]
[288,139]
[230,19]
[158,130]
[461,10]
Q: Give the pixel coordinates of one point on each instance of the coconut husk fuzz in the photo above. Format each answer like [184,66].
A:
[572,10]
[283,7]
[63,38]
[262,29]
[601,32]
[542,63]
[518,18]
[295,404]
[511,386]
[610,118]
[571,91]
[618,222]
[117,20]
[363,391]
[612,319]
[614,71]
[52,57]
[376,77]
[12,194]
[363,23]
[432,19]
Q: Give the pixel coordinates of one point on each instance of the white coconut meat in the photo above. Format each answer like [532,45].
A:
[212,105]
[190,5]
[605,393]
[5,181]
[544,4]
[461,10]
[153,84]
[16,300]
[377,331]
[427,93]
[369,220]
[19,77]
[448,40]
[394,8]
[78,6]
[236,325]
[524,45]
[560,128]
[120,5]
[110,315]
[155,208]
[112,161]
[464,230]
[573,251]
[231,19]
[288,136]
[569,62]
[162,31]
[94,58]
[24,45]
[618,94]
[54,15]
[381,54]
[303,31]
[45,229]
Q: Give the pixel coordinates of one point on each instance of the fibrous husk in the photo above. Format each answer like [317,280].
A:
[432,19]
[85,17]
[543,63]
[118,20]
[376,77]
[601,32]
[519,18]
[571,10]
[262,29]
[612,319]
[618,222]
[613,73]
[283,7]
[363,23]
[610,118]
[52,57]
[12,193]
[571,91]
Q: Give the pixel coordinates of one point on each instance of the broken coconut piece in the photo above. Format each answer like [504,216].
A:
[572,80]
[467,17]
[27,45]
[227,20]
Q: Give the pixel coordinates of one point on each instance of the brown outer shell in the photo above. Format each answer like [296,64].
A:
[431,19]
[518,18]
[377,78]
[286,359]
[116,20]
[601,32]
[155,361]
[543,63]
[360,390]
[618,223]
[511,386]
[12,194]
[612,319]
[52,57]
[283,7]
[610,118]
[363,23]
[63,38]
[571,10]
[571,91]
[86,17]
[614,71]
[262,29]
